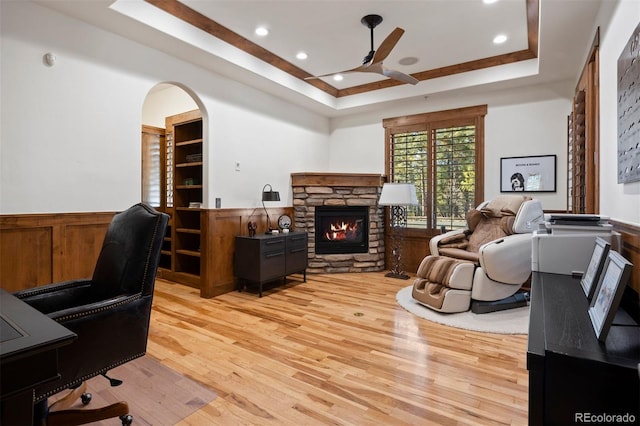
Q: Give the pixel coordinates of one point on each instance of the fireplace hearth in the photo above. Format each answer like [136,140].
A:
[342,229]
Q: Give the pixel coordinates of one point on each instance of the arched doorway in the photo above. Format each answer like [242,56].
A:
[174,176]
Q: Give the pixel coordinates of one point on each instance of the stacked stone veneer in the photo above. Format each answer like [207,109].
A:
[311,190]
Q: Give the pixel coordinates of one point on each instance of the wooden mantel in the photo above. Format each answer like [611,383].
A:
[337,179]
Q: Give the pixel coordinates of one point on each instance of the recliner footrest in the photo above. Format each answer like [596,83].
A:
[444,284]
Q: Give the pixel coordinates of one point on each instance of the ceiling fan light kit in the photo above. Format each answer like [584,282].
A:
[372,62]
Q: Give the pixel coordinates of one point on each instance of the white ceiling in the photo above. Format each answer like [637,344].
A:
[438,33]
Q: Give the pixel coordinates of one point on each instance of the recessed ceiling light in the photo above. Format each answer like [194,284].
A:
[489,1]
[409,60]
[262,31]
[301,55]
[338,77]
[499,39]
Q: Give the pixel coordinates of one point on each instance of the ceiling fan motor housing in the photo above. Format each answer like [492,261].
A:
[371,21]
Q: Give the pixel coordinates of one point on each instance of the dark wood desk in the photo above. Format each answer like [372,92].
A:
[29,342]
[571,374]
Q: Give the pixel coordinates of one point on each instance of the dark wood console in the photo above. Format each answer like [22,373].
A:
[267,257]
[573,378]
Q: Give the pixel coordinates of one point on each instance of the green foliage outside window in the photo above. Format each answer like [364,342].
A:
[442,165]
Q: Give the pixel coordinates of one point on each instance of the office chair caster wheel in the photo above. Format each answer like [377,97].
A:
[86,398]
[127,419]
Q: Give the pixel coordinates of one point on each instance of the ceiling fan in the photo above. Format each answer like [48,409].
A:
[373,61]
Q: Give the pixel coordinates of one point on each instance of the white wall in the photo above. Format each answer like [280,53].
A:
[620,201]
[519,122]
[165,101]
[70,134]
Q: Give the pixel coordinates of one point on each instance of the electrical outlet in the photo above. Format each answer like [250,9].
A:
[237,166]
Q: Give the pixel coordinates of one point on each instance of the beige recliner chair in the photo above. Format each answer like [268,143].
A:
[484,265]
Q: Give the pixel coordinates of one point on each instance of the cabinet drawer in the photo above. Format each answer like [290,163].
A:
[272,244]
[296,260]
[272,264]
[297,241]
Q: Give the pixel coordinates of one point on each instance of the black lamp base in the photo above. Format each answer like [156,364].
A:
[397,275]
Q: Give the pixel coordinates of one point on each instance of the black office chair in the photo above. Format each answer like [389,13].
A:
[110,313]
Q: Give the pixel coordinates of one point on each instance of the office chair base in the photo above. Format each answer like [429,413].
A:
[73,417]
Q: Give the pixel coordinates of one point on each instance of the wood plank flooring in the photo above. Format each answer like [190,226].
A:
[335,350]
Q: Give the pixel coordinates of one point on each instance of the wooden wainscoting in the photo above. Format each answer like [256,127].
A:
[630,249]
[414,247]
[219,230]
[38,249]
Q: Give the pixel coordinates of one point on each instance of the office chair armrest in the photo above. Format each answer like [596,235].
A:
[54,297]
[90,309]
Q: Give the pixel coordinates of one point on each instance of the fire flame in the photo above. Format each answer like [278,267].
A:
[341,231]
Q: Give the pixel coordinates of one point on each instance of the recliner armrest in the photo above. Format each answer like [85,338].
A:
[507,260]
[436,240]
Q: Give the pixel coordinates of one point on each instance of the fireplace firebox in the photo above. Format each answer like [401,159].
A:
[341,229]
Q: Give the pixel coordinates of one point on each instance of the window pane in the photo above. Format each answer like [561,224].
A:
[455,175]
[409,159]
[151,169]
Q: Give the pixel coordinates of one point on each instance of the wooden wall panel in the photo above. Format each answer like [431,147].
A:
[82,245]
[630,249]
[220,229]
[414,246]
[27,255]
[38,249]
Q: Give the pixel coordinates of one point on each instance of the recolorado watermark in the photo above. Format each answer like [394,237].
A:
[601,418]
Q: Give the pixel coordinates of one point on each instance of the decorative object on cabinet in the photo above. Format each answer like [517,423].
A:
[398,196]
[528,174]
[284,222]
[266,257]
[608,294]
[594,270]
[252,226]
[269,195]
[629,110]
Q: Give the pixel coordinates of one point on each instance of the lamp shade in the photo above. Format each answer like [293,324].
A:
[398,194]
[270,194]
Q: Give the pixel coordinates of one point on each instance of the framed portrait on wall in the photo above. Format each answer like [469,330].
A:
[608,294]
[528,174]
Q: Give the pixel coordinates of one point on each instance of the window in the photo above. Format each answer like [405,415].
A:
[152,141]
[441,153]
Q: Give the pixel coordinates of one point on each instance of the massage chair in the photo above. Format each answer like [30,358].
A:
[483,266]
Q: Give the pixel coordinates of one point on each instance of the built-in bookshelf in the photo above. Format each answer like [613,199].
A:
[184,197]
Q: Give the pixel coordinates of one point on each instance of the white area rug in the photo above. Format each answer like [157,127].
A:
[510,321]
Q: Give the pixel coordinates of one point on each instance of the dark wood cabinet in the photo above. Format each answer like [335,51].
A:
[266,257]
[572,375]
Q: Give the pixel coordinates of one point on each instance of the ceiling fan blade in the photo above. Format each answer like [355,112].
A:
[400,76]
[360,68]
[387,45]
[378,68]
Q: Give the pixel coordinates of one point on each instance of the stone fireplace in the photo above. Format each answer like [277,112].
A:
[341,215]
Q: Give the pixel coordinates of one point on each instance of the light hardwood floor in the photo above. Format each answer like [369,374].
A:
[336,350]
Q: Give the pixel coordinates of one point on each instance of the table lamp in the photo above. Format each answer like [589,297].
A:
[269,195]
